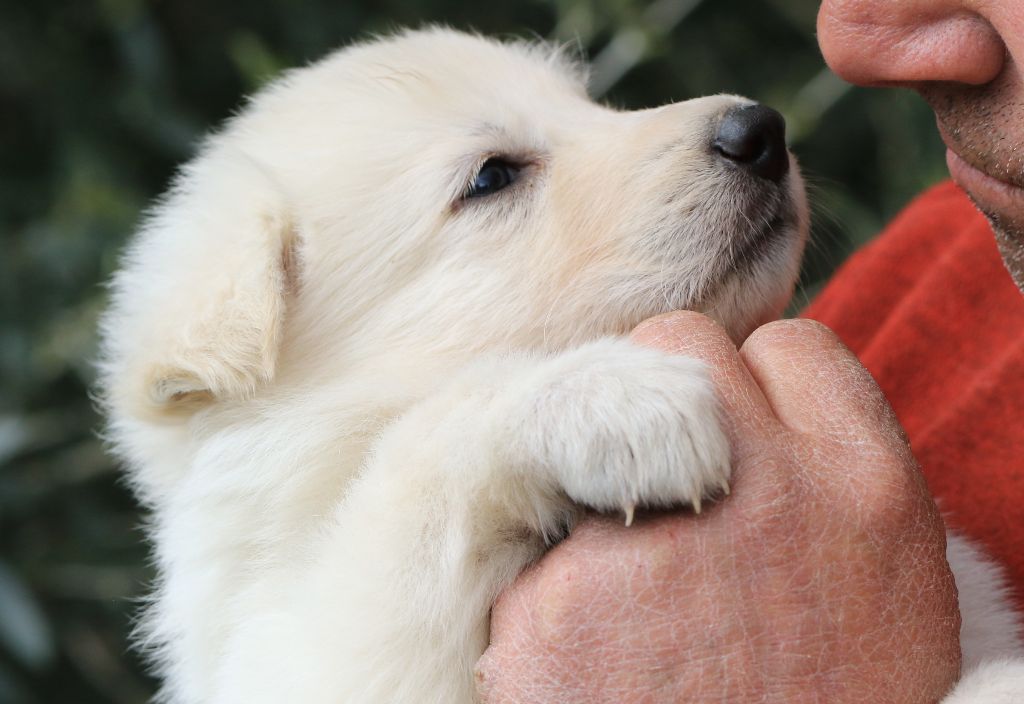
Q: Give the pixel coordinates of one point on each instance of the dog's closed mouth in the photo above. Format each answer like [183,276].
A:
[757,246]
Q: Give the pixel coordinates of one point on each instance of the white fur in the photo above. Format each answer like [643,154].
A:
[994,682]
[990,631]
[358,403]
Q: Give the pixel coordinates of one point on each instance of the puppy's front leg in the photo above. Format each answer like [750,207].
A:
[459,496]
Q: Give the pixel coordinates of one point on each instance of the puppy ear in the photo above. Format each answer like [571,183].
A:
[200,302]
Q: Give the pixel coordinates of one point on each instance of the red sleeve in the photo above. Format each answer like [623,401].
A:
[933,314]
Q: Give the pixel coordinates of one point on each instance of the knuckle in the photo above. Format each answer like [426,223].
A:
[794,330]
[682,331]
[887,494]
[545,611]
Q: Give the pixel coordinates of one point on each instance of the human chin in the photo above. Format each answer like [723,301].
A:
[994,196]
[983,128]
[1003,205]
[1010,238]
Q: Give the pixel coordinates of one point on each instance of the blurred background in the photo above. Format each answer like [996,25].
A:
[101,99]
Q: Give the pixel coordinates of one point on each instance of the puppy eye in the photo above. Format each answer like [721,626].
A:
[494,175]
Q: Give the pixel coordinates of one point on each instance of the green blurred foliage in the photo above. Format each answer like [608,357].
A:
[100,99]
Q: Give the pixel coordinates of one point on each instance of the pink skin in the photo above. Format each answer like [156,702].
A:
[966,58]
[822,577]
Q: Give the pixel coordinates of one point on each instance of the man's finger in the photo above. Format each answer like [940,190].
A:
[816,386]
[747,412]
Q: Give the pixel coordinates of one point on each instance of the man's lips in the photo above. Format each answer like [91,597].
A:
[990,193]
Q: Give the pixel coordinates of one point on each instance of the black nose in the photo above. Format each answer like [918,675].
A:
[754,137]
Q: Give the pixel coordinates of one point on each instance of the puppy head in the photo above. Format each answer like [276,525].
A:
[435,195]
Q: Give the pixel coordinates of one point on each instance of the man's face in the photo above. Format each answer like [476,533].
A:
[966,58]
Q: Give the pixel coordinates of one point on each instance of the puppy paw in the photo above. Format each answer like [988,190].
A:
[621,426]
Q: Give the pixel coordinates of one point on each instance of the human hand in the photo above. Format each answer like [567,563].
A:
[822,578]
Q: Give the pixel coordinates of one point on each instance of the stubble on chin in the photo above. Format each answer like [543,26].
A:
[1010,238]
[985,126]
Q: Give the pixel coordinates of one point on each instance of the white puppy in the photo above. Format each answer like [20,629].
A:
[366,359]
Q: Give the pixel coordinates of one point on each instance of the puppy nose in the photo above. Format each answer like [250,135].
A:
[754,137]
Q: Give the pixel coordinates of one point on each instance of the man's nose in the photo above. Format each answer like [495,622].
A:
[905,42]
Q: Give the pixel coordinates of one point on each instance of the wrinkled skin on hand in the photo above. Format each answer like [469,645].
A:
[822,578]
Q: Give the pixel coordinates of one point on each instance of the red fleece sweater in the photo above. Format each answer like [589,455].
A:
[934,315]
